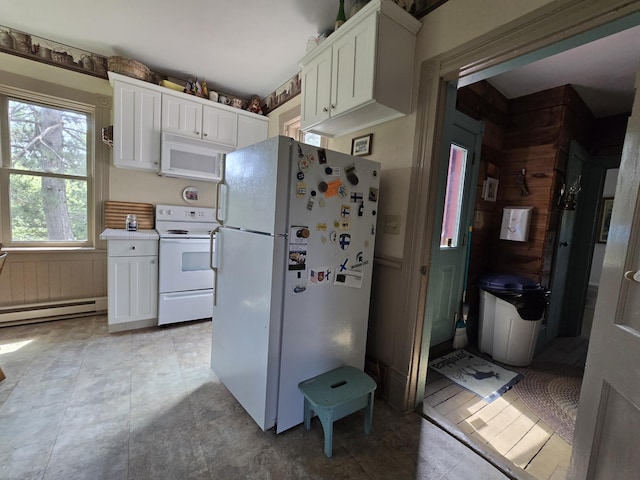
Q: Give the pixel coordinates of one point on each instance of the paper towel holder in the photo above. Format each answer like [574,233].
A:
[515,223]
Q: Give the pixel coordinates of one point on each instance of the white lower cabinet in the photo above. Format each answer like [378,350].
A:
[132,284]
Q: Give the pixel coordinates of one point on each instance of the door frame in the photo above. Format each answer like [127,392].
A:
[555,27]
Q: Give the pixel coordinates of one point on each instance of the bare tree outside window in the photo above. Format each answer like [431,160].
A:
[48,174]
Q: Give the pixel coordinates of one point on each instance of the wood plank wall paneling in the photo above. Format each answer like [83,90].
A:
[35,278]
[532,133]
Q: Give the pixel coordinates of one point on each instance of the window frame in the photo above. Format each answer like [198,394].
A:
[95,190]
[290,123]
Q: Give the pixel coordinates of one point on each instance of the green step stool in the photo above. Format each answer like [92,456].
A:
[334,395]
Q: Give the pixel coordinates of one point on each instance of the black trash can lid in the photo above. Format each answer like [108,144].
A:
[509,283]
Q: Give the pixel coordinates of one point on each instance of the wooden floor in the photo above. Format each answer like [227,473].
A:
[505,430]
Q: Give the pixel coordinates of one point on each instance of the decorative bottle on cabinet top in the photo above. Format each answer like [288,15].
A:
[341,18]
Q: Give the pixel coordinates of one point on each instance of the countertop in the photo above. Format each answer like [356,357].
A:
[122,234]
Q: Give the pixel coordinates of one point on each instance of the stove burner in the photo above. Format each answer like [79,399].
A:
[178,232]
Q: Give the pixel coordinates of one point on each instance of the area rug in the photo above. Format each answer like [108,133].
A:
[552,392]
[481,377]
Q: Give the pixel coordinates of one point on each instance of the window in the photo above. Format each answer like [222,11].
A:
[47,166]
[290,127]
[312,139]
[450,232]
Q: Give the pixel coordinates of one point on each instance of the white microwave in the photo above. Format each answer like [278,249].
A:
[191,158]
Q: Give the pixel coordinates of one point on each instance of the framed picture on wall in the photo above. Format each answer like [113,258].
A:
[361,146]
[604,219]
[490,189]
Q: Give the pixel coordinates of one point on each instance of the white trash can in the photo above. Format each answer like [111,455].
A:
[511,312]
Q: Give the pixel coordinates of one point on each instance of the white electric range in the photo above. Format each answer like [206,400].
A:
[185,279]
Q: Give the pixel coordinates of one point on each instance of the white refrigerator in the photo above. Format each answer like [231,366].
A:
[293,264]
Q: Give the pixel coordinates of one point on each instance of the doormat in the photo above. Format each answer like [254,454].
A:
[481,377]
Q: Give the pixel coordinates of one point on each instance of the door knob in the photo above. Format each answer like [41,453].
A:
[564,244]
[632,276]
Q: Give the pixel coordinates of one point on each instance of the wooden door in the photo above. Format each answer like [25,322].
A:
[565,248]
[456,194]
[608,420]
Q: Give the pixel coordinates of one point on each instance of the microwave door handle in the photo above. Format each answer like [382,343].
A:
[211,265]
[221,203]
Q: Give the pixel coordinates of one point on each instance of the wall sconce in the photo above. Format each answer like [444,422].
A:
[570,201]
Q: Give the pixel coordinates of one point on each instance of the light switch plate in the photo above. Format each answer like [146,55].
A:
[391,224]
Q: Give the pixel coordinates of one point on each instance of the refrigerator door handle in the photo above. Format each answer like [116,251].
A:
[221,205]
[211,265]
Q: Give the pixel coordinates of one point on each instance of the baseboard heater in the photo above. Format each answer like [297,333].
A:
[42,312]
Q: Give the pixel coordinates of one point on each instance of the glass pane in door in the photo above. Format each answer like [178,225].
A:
[450,233]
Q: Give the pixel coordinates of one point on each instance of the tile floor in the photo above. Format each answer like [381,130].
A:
[80,403]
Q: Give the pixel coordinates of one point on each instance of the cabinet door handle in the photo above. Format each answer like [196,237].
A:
[205,134]
[133,247]
[333,106]
[325,109]
[197,133]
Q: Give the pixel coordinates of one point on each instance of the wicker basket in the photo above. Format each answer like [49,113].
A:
[130,68]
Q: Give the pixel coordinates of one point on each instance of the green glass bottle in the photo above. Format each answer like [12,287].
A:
[341,18]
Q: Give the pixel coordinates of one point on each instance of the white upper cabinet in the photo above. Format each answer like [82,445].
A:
[316,89]
[193,118]
[136,128]
[362,75]
[181,115]
[353,67]
[220,126]
[251,130]
[143,111]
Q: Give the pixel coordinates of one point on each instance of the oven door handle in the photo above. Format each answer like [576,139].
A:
[221,204]
[185,241]
[211,265]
